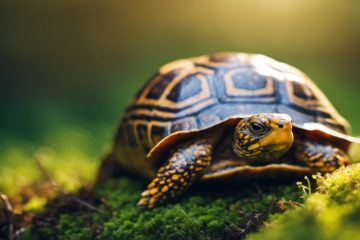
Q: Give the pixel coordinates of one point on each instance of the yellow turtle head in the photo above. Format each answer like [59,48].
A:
[263,138]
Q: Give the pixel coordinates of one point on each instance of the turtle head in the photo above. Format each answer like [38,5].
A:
[263,138]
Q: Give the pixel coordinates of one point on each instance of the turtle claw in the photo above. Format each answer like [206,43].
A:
[145,193]
[143,202]
[151,197]
[148,202]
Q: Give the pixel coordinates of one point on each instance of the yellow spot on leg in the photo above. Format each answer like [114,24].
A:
[175,177]
[164,188]
[154,191]
[200,162]
[152,202]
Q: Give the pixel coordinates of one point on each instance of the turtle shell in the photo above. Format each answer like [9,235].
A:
[201,93]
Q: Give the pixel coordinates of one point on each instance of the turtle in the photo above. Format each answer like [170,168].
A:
[228,117]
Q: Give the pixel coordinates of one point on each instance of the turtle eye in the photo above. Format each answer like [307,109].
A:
[258,128]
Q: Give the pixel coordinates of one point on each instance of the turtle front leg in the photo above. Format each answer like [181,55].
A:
[184,166]
[322,158]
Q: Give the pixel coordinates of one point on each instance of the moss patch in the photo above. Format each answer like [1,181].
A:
[333,212]
[203,213]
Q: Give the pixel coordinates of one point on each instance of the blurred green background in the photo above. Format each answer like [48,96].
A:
[68,68]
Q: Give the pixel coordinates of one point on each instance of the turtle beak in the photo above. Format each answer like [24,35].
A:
[281,136]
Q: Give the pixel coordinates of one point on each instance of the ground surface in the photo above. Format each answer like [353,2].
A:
[203,213]
[329,211]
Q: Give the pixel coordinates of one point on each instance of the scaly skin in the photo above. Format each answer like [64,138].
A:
[322,158]
[184,166]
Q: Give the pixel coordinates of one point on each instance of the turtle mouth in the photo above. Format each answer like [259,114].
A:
[269,154]
[280,148]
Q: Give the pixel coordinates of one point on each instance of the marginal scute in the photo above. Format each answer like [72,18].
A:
[183,125]
[269,171]
[158,133]
[131,137]
[142,131]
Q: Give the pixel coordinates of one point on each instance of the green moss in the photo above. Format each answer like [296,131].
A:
[198,215]
[201,214]
[73,228]
[333,212]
